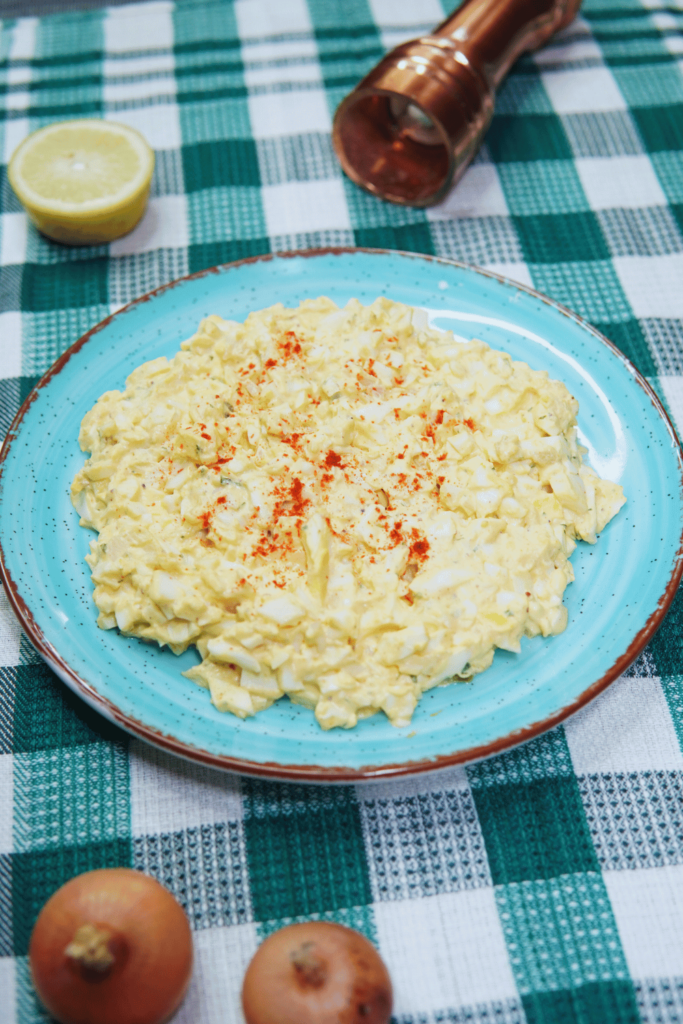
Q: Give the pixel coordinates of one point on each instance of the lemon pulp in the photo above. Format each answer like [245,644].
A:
[85,181]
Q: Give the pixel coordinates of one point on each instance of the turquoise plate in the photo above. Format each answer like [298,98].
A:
[623,586]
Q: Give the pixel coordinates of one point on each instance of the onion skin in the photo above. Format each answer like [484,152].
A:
[150,947]
[317,973]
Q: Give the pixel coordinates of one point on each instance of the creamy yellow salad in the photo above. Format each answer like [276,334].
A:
[339,505]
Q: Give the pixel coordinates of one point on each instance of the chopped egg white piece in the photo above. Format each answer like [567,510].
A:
[343,506]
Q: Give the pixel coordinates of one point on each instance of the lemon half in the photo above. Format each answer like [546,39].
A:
[83,182]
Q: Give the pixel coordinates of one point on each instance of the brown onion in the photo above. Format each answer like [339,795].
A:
[317,973]
[111,947]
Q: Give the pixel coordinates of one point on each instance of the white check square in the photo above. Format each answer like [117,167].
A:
[395,13]
[163,226]
[133,91]
[159,123]
[295,207]
[673,390]
[19,75]
[583,90]
[18,100]
[478,194]
[13,237]
[652,284]
[147,27]
[627,729]
[515,271]
[10,332]
[6,804]
[221,956]
[450,779]
[289,113]
[648,909]
[169,795]
[135,66]
[23,45]
[8,994]
[15,131]
[620,181]
[262,18]
[446,950]
[273,63]
[582,49]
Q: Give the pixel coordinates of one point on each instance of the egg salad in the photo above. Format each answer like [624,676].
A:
[340,505]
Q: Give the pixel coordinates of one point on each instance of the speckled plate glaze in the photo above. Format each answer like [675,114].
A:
[623,586]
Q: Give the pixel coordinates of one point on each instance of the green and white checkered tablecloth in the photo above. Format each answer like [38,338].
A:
[543,886]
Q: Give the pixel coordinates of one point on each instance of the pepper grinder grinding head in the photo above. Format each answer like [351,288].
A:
[408,131]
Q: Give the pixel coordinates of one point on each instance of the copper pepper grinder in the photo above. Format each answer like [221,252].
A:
[408,131]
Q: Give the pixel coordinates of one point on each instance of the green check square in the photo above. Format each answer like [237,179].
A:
[677,210]
[353,18]
[561,237]
[361,919]
[523,94]
[10,286]
[534,830]
[48,716]
[605,133]
[6,42]
[214,120]
[36,875]
[608,9]
[366,211]
[67,285]
[44,111]
[218,81]
[6,932]
[669,170]
[628,336]
[198,27]
[226,213]
[65,38]
[305,850]
[348,41]
[547,757]
[560,933]
[666,645]
[210,254]
[598,1002]
[8,199]
[528,137]
[74,96]
[542,187]
[208,60]
[49,333]
[42,250]
[591,288]
[406,237]
[29,1009]
[219,164]
[74,796]
[661,128]
[650,86]
[530,812]
[622,53]
[672,685]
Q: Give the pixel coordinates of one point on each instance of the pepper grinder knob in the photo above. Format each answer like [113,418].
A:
[408,131]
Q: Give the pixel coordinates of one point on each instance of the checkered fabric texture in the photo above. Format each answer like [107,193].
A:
[543,886]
